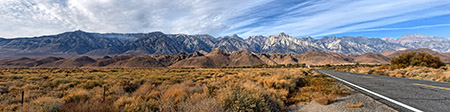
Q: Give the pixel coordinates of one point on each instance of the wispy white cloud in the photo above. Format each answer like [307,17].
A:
[335,17]
[218,18]
[37,17]
[381,22]
[403,28]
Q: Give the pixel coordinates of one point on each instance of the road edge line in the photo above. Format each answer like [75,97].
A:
[376,94]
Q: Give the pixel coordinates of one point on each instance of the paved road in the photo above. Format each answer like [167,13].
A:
[407,94]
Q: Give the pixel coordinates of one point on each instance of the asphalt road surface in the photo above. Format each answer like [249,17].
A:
[400,93]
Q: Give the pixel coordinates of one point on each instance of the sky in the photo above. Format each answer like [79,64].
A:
[298,18]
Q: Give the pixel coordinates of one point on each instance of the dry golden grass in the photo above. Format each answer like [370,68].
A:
[319,88]
[159,89]
[44,104]
[424,73]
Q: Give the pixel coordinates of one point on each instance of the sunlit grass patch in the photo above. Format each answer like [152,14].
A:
[161,89]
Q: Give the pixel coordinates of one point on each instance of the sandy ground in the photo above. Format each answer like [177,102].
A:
[341,103]
[368,104]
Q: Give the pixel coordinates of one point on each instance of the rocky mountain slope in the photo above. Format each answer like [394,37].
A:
[416,41]
[78,43]
[217,58]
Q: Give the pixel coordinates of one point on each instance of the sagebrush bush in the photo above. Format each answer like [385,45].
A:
[416,59]
[144,89]
[44,104]
[124,100]
[58,81]
[127,85]
[30,87]
[201,102]
[91,105]
[139,105]
[90,84]
[77,95]
[238,98]
[320,89]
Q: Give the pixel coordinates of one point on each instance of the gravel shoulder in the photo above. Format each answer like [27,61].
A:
[341,104]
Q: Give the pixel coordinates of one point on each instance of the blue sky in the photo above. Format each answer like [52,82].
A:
[298,18]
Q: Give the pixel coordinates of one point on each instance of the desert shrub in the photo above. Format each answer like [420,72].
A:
[127,85]
[14,89]
[280,85]
[379,73]
[383,67]
[3,90]
[58,81]
[370,71]
[90,84]
[415,59]
[179,92]
[318,88]
[10,108]
[140,105]
[91,105]
[34,78]
[77,95]
[65,86]
[143,89]
[238,98]
[16,76]
[44,104]
[152,95]
[30,87]
[415,72]
[117,91]
[201,102]
[376,72]
[124,100]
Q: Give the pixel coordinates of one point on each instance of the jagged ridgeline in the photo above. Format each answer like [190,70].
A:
[79,43]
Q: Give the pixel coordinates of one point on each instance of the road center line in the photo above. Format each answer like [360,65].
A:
[431,86]
[376,94]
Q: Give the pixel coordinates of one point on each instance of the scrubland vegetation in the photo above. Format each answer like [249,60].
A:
[158,89]
[408,65]
[416,72]
[416,59]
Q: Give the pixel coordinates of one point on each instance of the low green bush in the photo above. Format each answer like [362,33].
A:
[416,59]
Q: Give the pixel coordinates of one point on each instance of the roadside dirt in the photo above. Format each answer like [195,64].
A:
[354,102]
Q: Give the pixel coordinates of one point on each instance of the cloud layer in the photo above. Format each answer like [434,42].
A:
[255,17]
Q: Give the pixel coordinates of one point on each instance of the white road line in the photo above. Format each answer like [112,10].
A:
[376,94]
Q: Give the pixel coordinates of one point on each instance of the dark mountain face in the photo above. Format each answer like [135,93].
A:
[3,41]
[95,44]
[232,43]
[78,43]
[153,43]
[194,43]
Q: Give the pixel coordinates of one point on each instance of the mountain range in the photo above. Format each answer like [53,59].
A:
[216,58]
[80,43]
